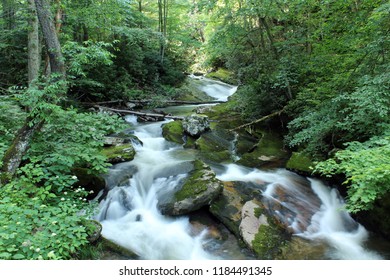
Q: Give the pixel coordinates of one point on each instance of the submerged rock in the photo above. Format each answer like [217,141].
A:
[199,189]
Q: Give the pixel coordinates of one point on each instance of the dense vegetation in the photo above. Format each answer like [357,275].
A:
[325,64]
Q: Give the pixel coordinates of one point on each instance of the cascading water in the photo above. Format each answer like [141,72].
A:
[311,210]
[216,89]
[131,218]
[129,214]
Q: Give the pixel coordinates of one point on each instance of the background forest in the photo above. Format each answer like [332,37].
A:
[324,64]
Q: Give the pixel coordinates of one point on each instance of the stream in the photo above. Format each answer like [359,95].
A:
[130,216]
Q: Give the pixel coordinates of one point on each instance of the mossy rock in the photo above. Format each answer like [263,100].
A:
[268,153]
[223,75]
[227,208]
[111,248]
[199,189]
[119,153]
[174,132]
[223,116]
[300,163]
[215,146]
[269,241]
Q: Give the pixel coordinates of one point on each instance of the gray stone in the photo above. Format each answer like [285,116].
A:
[195,125]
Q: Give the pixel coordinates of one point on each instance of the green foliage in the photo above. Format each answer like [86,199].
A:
[350,116]
[11,118]
[367,169]
[37,224]
[68,140]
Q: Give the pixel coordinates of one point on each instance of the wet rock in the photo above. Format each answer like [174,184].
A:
[250,223]
[293,206]
[195,125]
[303,249]
[113,141]
[119,153]
[216,146]
[199,189]
[174,132]
[94,230]
[228,207]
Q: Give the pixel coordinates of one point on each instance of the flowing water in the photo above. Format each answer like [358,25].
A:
[310,209]
[131,218]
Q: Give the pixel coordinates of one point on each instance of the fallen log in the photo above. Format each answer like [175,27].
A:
[259,120]
[137,113]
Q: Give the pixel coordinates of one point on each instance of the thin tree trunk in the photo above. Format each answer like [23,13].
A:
[34,55]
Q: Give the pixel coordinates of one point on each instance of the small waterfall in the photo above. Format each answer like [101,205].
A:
[129,214]
[216,89]
[308,208]
[334,225]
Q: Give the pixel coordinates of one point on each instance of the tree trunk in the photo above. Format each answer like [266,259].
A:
[20,145]
[52,43]
[34,55]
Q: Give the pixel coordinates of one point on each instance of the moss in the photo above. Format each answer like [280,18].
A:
[197,181]
[300,162]
[223,75]
[109,246]
[214,146]
[174,132]
[269,151]
[268,242]
[119,153]
[258,212]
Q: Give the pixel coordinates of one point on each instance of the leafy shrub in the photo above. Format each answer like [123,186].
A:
[37,224]
[367,169]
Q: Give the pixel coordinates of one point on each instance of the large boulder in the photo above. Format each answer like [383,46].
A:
[199,189]
[266,223]
[194,125]
[215,145]
[261,232]
[228,207]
